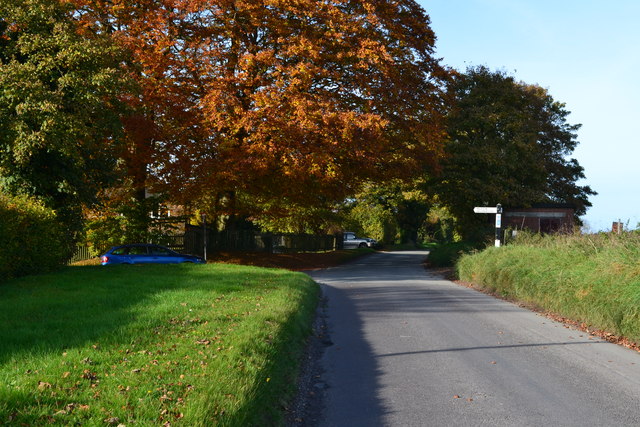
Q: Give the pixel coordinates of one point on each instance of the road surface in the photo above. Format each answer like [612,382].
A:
[411,349]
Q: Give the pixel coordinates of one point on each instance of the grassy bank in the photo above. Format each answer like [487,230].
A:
[447,254]
[593,279]
[180,344]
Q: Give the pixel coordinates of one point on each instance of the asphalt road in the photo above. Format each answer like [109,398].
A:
[411,349]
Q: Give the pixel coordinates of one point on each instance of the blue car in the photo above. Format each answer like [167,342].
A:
[144,253]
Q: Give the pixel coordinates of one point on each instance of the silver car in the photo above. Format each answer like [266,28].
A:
[351,241]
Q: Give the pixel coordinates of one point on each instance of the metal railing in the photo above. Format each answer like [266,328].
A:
[82,253]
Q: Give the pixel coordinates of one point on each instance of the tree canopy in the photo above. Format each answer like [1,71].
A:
[59,112]
[273,110]
[290,104]
[509,143]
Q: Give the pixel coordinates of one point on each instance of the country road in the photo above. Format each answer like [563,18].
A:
[411,349]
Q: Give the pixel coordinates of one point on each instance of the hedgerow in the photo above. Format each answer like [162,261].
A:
[31,238]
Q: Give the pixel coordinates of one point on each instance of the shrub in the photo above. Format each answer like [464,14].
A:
[31,238]
[125,221]
[447,254]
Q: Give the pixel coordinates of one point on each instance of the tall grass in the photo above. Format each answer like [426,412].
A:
[190,345]
[594,279]
[447,254]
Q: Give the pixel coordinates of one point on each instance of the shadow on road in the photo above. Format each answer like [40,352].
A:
[410,348]
[351,370]
[491,347]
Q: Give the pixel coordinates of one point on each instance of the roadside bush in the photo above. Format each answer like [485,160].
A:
[31,238]
[447,254]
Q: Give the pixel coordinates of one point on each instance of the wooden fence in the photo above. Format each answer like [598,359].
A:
[252,241]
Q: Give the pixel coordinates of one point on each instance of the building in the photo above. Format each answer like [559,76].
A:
[540,218]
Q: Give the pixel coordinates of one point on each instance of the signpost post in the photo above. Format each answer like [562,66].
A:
[204,235]
[497,210]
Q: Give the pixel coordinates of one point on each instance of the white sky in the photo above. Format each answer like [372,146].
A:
[587,54]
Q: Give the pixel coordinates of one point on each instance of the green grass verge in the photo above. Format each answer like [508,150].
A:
[447,254]
[193,345]
[593,279]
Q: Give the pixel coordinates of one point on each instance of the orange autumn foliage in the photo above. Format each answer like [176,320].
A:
[297,101]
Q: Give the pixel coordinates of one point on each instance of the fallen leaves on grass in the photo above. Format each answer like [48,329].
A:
[88,375]
[43,385]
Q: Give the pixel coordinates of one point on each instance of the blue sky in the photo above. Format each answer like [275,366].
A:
[587,54]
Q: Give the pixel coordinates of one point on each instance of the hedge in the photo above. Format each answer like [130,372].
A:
[31,238]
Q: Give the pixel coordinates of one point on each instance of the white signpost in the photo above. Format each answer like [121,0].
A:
[493,210]
[485,209]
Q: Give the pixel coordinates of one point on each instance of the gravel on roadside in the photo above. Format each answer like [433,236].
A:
[305,410]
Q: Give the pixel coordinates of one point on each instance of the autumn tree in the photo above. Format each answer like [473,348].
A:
[58,106]
[275,106]
[509,143]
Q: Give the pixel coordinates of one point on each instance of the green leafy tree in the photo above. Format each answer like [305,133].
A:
[59,108]
[509,143]
[122,218]
[396,210]
[366,216]
[440,225]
